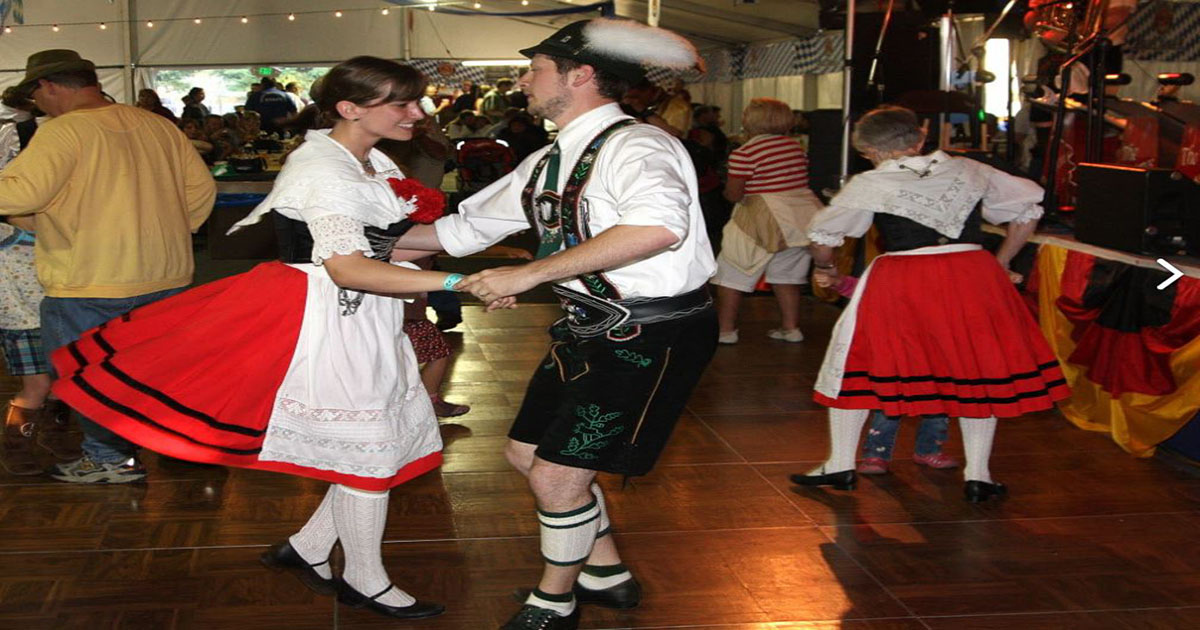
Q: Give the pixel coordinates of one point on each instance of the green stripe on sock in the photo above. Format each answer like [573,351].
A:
[602,571]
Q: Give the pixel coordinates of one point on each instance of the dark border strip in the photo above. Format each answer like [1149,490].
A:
[950,379]
[952,398]
[134,414]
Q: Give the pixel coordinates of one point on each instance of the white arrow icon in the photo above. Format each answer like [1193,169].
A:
[1175,274]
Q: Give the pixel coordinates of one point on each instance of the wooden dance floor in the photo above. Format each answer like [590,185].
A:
[1089,538]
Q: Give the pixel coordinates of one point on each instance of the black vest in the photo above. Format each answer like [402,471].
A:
[900,234]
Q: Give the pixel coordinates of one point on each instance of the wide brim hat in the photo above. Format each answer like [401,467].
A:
[622,47]
[48,62]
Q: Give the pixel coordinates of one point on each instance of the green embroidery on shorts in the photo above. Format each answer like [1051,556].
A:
[595,285]
[592,433]
[635,358]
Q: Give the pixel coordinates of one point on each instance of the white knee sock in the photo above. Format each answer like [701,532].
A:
[612,575]
[605,524]
[845,427]
[360,517]
[315,540]
[568,537]
[977,436]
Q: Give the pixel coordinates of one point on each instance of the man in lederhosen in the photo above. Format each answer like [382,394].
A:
[623,241]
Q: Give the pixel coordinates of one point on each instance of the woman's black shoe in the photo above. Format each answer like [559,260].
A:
[980,491]
[418,610]
[845,480]
[283,557]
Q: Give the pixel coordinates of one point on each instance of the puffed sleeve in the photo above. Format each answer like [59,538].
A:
[1011,198]
[850,213]
[648,181]
[334,234]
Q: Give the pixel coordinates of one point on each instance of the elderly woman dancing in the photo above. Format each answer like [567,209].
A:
[934,326]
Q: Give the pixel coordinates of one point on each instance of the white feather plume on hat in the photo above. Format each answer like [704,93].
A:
[634,42]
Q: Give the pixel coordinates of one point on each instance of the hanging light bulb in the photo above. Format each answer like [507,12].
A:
[245,19]
[8,29]
[524,3]
[478,5]
[197,20]
[103,26]
[432,7]
[291,17]
[384,11]
[337,14]
[149,24]
[54,28]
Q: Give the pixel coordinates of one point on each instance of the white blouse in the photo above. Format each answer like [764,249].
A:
[323,185]
[935,190]
[642,176]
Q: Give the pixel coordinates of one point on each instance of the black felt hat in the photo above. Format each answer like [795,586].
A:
[622,47]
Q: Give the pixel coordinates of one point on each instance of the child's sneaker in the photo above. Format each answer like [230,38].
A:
[873,466]
[940,461]
[84,470]
[791,336]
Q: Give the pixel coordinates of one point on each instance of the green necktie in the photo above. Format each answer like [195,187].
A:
[552,236]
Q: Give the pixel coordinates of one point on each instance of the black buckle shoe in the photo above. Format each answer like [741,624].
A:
[845,480]
[980,491]
[532,617]
[283,557]
[627,594]
[418,610]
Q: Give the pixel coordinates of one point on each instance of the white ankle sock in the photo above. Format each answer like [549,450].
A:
[563,609]
[845,427]
[315,540]
[977,436]
[360,517]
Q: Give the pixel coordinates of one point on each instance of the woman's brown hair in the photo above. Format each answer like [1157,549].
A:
[367,81]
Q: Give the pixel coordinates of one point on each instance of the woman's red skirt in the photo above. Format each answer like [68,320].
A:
[946,334]
[194,376]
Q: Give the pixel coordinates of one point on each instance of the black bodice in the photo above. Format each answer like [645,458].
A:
[296,243]
[901,234]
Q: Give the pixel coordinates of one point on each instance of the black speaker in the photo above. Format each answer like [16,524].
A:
[1139,210]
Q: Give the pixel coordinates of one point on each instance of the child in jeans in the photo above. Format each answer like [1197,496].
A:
[881,437]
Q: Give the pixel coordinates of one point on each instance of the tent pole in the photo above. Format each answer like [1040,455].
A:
[129,18]
[847,75]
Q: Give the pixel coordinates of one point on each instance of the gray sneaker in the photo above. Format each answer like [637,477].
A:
[84,470]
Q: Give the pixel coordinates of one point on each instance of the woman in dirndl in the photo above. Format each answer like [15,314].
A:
[300,368]
[934,326]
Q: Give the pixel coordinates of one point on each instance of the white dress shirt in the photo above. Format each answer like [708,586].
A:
[642,176]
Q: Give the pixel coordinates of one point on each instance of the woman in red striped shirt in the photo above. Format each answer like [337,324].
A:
[767,234]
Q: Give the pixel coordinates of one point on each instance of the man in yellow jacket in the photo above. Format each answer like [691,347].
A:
[116,192]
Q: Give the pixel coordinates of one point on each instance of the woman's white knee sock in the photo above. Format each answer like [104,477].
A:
[360,517]
[977,436]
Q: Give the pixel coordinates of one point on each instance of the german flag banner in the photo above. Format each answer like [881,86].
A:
[1130,351]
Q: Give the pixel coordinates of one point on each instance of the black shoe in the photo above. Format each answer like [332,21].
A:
[845,480]
[535,618]
[980,491]
[627,594]
[419,610]
[282,557]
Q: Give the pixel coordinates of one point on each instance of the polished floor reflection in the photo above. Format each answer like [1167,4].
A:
[1090,537]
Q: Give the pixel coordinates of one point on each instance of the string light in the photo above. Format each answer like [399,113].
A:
[103,26]
[291,17]
[524,3]
[8,29]
[478,6]
[245,19]
[337,14]
[384,11]
[432,7]
[197,20]
[149,24]
[54,28]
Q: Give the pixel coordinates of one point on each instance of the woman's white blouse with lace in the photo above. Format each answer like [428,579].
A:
[935,190]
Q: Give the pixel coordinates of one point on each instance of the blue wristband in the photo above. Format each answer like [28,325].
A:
[451,281]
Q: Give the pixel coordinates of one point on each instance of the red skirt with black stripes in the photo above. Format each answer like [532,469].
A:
[946,334]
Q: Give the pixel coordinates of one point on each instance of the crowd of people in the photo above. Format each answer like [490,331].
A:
[631,199]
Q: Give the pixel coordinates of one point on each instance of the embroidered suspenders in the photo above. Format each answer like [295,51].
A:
[567,212]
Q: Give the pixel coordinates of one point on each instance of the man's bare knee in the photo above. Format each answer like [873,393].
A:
[520,455]
[560,488]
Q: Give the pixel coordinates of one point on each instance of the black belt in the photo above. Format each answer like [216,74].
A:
[588,316]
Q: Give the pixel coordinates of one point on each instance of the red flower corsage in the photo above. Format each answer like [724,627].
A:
[430,203]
